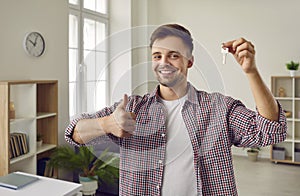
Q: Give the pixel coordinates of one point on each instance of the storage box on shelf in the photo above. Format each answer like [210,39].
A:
[286,90]
[278,153]
[297,155]
[35,105]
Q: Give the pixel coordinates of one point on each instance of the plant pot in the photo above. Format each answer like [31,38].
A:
[293,73]
[252,156]
[39,143]
[89,186]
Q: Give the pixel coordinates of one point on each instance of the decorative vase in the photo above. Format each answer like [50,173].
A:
[12,112]
[293,73]
[89,186]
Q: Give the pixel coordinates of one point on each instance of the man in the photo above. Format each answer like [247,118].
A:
[177,140]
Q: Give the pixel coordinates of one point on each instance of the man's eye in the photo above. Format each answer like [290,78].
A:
[174,56]
[156,57]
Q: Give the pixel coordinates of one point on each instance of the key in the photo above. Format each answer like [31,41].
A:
[224,51]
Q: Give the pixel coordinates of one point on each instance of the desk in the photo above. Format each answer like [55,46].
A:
[45,187]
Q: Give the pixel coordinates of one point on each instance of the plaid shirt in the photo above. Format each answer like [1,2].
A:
[214,122]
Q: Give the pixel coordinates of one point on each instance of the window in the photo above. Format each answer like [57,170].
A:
[88,78]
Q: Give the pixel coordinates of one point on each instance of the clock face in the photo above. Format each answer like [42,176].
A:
[34,44]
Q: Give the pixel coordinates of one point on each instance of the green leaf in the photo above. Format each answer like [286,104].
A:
[84,161]
[292,66]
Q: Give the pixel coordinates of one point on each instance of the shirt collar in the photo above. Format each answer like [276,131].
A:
[192,94]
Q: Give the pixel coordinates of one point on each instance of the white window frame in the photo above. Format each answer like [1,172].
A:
[81,92]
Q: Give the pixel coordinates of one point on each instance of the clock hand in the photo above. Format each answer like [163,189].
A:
[31,42]
[35,40]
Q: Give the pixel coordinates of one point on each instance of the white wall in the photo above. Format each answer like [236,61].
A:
[272,26]
[50,18]
[120,43]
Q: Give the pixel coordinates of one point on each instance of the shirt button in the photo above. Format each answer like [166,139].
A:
[163,135]
[157,187]
[160,161]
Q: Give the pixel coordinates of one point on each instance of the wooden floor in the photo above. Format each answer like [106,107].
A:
[264,178]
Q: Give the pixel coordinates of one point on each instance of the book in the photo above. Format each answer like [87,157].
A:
[41,166]
[10,152]
[16,180]
[18,144]
[48,170]
[18,141]
[11,143]
[24,143]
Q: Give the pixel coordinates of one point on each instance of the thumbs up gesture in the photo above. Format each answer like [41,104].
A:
[124,122]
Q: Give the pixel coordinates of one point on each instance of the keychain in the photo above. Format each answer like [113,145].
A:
[224,51]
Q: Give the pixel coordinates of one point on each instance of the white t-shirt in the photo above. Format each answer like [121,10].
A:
[179,173]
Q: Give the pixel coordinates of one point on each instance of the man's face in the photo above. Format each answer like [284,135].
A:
[170,60]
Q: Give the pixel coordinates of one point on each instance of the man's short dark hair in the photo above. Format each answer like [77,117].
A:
[173,30]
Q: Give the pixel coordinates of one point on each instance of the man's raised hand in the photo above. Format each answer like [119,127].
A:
[244,53]
[124,122]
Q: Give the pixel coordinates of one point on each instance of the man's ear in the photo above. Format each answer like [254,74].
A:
[191,62]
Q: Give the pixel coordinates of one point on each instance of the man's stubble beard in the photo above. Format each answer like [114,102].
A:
[171,83]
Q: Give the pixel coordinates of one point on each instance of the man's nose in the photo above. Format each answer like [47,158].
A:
[164,60]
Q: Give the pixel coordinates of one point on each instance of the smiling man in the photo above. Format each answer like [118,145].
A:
[171,60]
[177,140]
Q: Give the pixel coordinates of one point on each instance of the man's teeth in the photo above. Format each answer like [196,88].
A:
[166,72]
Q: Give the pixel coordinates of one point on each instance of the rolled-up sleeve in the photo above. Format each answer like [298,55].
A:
[250,129]
[275,131]
[70,128]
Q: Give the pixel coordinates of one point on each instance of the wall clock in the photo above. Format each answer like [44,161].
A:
[34,44]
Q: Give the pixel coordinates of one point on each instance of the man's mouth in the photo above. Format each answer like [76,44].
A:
[166,71]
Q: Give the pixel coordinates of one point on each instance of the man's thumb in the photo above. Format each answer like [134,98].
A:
[124,101]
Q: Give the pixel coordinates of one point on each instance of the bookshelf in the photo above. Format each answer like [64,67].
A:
[36,105]
[286,90]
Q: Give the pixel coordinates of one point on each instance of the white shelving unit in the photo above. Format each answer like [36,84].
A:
[35,112]
[289,98]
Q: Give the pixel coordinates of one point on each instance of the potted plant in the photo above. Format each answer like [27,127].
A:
[292,67]
[39,140]
[92,169]
[253,153]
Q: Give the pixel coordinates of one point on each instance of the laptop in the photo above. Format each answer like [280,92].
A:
[16,180]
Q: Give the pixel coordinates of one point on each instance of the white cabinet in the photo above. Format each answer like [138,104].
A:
[287,91]
[36,107]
